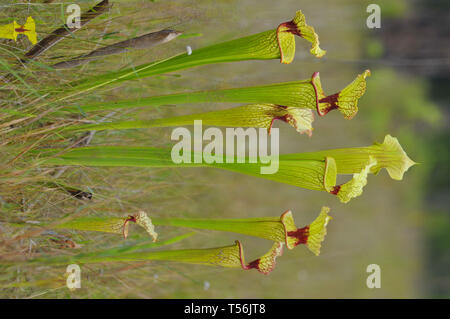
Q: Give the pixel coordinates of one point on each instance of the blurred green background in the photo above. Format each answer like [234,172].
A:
[403,226]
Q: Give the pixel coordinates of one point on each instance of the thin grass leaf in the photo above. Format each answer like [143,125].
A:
[73,191]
